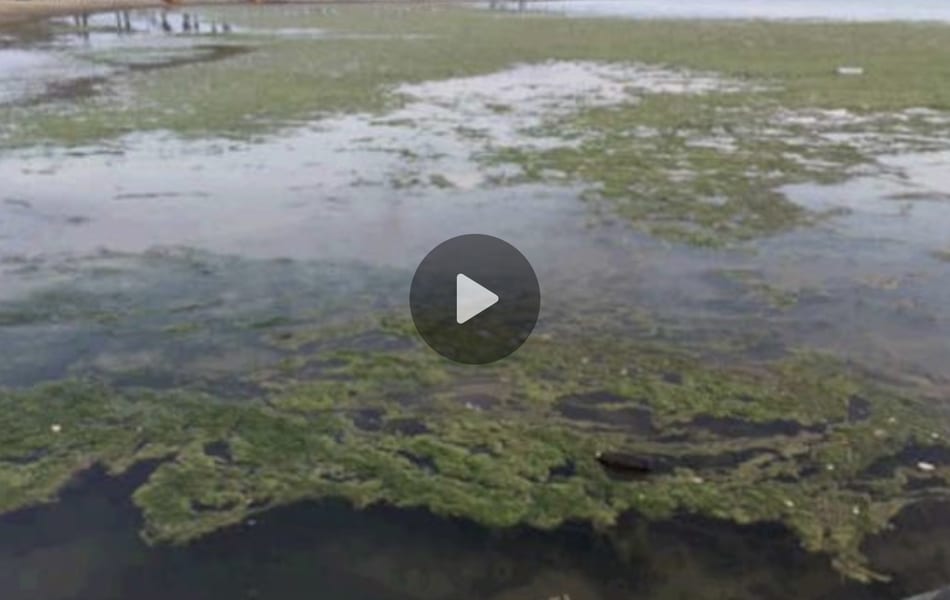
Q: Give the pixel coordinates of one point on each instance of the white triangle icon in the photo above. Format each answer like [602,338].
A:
[471,298]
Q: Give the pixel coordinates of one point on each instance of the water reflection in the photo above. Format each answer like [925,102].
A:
[144,22]
[78,57]
[383,191]
[343,191]
[327,549]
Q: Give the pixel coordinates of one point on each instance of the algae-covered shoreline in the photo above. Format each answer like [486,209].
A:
[692,146]
[806,441]
[715,301]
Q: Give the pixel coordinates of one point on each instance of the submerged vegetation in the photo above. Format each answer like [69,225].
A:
[354,57]
[705,167]
[805,441]
[265,383]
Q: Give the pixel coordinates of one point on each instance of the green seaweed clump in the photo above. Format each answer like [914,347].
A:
[699,169]
[806,441]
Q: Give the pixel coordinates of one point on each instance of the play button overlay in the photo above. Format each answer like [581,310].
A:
[471,299]
[475,299]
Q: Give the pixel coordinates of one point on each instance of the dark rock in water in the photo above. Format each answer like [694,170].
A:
[594,407]
[368,419]
[859,409]
[426,463]
[220,450]
[673,378]
[910,456]
[740,428]
[405,426]
[566,469]
[625,463]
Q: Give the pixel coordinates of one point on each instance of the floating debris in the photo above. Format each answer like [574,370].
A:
[56,428]
[627,463]
[850,71]
[926,467]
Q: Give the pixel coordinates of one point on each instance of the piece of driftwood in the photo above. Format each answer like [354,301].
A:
[623,462]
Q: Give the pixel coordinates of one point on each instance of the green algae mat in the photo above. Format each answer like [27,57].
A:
[757,106]
[255,384]
[806,441]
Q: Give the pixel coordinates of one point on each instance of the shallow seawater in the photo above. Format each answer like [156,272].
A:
[328,548]
[383,190]
[158,261]
[846,10]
